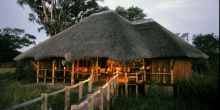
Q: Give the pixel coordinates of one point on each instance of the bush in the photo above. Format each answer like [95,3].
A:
[24,72]
[200,87]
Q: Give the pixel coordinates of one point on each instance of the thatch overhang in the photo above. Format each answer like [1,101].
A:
[107,34]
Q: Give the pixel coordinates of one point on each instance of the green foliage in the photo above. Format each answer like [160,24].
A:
[12,39]
[154,91]
[132,13]
[161,103]
[57,15]
[200,87]
[15,92]
[209,44]
[24,72]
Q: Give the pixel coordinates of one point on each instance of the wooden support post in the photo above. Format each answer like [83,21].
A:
[136,89]
[112,86]
[136,77]
[80,90]
[129,89]
[144,72]
[145,77]
[117,86]
[126,83]
[101,99]
[72,73]
[45,75]
[53,71]
[171,75]
[77,69]
[38,71]
[164,78]
[74,107]
[108,96]
[126,79]
[34,63]
[126,89]
[90,85]
[121,89]
[112,90]
[145,89]
[67,98]
[44,105]
[90,102]
[64,75]
[171,71]
[97,71]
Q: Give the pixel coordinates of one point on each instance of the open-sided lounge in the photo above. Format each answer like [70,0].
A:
[104,44]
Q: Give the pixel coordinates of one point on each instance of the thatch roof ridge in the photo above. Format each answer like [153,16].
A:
[181,46]
[107,34]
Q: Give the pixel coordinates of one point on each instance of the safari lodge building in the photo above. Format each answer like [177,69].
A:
[105,44]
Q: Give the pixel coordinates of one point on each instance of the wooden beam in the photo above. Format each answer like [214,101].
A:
[145,78]
[72,73]
[97,72]
[45,75]
[80,90]
[90,102]
[64,75]
[136,88]
[101,99]
[90,84]
[34,63]
[53,71]
[44,105]
[77,68]
[67,98]
[126,79]
[171,70]
[38,70]
[108,96]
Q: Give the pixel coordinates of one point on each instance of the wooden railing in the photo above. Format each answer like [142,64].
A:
[134,78]
[44,96]
[163,78]
[111,88]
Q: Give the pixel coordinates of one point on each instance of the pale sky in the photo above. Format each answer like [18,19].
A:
[178,16]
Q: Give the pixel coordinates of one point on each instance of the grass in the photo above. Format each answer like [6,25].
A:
[200,92]
[15,91]
[7,70]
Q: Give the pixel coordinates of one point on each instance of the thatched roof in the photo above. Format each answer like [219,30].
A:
[107,34]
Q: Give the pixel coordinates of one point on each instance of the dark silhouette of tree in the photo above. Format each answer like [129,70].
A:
[11,40]
[57,15]
[132,13]
[209,44]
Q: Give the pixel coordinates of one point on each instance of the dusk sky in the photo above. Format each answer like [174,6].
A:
[178,16]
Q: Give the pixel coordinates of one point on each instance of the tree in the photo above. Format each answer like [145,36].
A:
[57,15]
[132,13]
[12,39]
[209,44]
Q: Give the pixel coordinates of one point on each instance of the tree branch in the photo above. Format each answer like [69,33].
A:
[51,13]
[44,10]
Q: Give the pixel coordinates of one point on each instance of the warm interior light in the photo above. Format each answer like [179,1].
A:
[117,69]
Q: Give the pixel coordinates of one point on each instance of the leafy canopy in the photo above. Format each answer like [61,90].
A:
[132,13]
[12,39]
[57,15]
[209,44]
